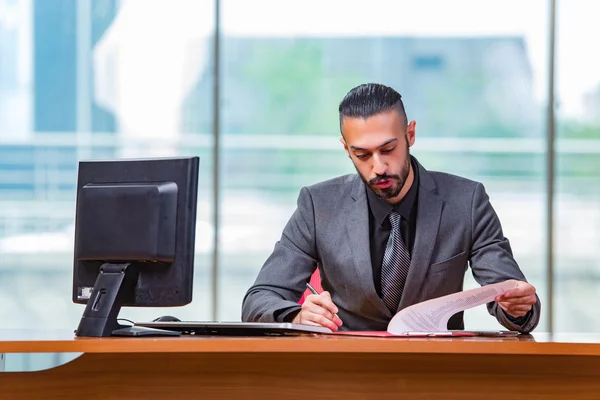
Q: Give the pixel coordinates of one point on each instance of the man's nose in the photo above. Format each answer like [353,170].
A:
[379,167]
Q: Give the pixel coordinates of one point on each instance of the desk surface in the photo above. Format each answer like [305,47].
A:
[539,366]
[61,341]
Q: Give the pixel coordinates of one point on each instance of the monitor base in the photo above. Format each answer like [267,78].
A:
[115,283]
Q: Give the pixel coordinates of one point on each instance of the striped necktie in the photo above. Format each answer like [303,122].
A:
[395,265]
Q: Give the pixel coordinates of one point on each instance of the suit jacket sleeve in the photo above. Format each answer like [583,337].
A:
[282,279]
[492,260]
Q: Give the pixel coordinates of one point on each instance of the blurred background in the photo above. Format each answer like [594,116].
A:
[507,93]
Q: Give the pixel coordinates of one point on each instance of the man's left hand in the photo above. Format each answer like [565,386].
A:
[518,301]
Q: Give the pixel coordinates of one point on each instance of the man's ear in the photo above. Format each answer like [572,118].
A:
[343,142]
[411,131]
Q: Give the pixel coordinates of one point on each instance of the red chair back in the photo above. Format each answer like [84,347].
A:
[315,281]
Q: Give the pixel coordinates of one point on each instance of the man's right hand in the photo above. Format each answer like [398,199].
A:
[319,310]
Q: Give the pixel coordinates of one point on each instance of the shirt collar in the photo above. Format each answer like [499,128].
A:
[381,209]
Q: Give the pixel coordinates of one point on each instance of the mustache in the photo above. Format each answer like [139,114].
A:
[383,177]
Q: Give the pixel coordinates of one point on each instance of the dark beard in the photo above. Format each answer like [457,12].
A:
[398,182]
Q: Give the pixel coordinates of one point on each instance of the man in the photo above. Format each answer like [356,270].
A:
[391,236]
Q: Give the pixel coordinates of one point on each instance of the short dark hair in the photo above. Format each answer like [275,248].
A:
[370,99]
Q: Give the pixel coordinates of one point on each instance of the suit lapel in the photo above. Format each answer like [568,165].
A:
[429,212]
[357,228]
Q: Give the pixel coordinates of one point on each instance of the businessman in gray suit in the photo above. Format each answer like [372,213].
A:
[388,237]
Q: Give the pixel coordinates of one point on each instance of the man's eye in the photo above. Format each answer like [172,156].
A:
[361,156]
[388,150]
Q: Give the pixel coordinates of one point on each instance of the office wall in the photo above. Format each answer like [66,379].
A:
[106,78]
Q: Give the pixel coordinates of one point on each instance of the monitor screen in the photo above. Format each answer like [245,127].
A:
[135,225]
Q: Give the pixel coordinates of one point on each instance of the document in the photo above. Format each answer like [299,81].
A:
[430,318]
[433,315]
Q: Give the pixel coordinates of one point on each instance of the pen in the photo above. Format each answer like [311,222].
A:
[314,291]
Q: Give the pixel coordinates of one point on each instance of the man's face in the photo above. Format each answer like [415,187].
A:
[378,147]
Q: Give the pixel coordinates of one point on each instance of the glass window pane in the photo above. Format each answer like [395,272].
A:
[577,205]
[475,83]
[87,80]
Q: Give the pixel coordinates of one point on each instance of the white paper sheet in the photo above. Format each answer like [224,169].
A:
[433,315]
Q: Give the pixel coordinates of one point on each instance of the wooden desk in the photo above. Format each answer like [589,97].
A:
[536,367]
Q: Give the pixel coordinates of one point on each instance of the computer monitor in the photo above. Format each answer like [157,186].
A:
[135,226]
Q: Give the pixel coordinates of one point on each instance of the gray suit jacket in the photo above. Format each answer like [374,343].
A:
[329,230]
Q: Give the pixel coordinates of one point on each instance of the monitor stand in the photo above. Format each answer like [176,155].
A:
[115,283]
